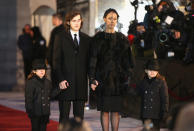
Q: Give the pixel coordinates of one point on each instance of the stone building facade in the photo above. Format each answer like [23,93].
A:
[14,15]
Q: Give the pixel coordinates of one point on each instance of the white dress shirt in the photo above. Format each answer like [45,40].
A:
[72,35]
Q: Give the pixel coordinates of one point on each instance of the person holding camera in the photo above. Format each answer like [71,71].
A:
[189,24]
[165,23]
[141,38]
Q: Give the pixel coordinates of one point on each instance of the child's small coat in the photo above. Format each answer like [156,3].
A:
[38,93]
[154,98]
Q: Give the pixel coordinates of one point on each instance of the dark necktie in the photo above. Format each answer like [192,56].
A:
[75,40]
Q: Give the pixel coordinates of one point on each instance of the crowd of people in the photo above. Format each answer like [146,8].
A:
[165,32]
[106,61]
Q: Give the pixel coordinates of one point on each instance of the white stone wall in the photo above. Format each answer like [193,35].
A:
[35,4]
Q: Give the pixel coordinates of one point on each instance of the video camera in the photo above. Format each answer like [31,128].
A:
[165,37]
[164,33]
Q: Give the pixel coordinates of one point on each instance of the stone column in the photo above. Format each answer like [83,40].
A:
[23,17]
[92,17]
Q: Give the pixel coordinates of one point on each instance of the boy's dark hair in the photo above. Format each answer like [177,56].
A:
[69,16]
[110,10]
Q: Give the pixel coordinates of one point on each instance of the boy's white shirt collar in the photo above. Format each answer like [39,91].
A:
[72,35]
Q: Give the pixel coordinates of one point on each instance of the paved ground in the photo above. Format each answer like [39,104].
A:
[16,101]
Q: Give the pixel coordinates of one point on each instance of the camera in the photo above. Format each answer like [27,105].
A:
[164,33]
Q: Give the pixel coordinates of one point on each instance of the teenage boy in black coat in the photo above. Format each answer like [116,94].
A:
[70,62]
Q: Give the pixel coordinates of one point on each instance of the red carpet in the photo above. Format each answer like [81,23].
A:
[15,120]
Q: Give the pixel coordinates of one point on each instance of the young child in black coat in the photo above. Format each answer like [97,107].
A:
[153,91]
[38,93]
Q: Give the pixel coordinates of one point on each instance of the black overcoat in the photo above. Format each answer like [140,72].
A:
[38,93]
[154,98]
[71,63]
[110,63]
[50,49]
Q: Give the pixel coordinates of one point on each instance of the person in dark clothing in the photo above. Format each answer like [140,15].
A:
[109,68]
[164,23]
[58,22]
[185,118]
[189,24]
[38,93]
[25,44]
[70,61]
[153,91]
[39,44]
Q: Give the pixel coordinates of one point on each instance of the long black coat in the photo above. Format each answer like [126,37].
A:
[38,93]
[110,63]
[25,44]
[54,32]
[154,98]
[71,64]
[39,47]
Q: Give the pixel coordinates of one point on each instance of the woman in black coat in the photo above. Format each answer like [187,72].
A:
[109,69]
[70,62]
[39,44]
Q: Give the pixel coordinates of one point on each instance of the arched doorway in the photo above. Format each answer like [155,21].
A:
[42,17]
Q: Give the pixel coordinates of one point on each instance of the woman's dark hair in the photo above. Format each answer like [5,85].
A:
[69,16]
[36,31]
[110,10]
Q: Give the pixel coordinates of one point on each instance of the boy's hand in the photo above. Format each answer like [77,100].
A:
[94,85]
[63,85]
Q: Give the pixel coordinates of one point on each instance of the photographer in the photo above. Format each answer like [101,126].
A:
[141,41]
[189,24]
[164,21]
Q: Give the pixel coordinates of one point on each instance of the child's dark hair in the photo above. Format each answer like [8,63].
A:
[160,76]
[32,74]
[110,10]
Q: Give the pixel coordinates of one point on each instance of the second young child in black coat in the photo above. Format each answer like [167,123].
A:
[153,91]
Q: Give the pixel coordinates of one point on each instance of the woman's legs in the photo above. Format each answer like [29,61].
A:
[115,118]
[104,118]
